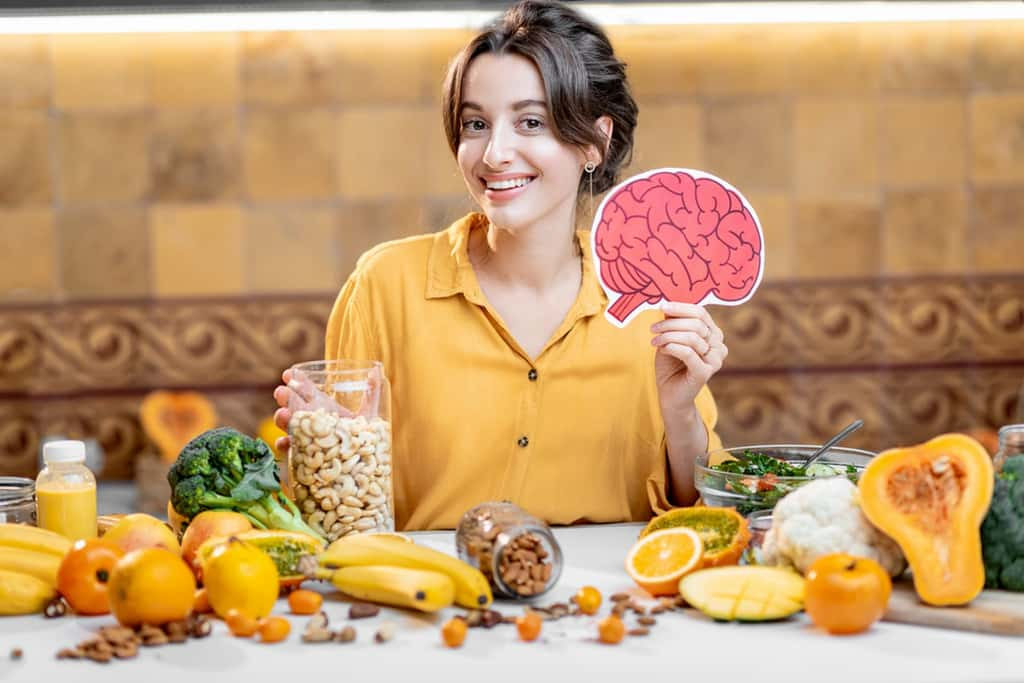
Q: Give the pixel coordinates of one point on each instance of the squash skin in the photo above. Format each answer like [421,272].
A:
[947,565]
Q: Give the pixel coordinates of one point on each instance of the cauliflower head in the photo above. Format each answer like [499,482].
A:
[823,517]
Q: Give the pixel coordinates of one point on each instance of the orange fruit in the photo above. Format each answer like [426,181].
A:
[84,572]
[240,576]
[150,586]
[724,532]
[846,594]
[658,560]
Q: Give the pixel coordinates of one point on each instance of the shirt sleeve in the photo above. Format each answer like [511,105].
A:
[657,487]
[349,333]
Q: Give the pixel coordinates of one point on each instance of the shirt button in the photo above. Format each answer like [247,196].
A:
[523,442]
[532,374]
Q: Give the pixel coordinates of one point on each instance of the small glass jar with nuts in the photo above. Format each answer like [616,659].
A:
[340,456]
[516,551]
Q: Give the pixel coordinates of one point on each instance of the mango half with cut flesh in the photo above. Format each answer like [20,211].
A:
[747,593]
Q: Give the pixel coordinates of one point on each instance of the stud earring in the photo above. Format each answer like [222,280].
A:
[590,167]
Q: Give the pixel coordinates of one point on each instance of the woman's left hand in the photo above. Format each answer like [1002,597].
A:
[691,350]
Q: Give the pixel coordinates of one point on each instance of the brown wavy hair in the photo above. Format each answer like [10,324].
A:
[583,80]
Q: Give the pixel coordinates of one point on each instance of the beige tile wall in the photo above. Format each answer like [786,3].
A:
[222,164]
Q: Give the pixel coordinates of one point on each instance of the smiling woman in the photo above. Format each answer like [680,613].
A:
[507,382]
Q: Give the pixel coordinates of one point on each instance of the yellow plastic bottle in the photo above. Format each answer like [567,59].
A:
[66,491]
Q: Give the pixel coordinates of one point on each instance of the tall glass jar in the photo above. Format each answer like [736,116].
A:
[340,457]
[516,551]
[17,500]
[1011,443]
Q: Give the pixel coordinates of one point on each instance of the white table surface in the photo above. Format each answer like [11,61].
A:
[683,647]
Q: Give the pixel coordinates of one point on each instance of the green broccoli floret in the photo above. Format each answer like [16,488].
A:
[222,469]
[1002,532]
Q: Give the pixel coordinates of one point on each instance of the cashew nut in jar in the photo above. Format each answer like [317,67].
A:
[313,460]
[328,498]
[342,473]
[329,473]
[304,476]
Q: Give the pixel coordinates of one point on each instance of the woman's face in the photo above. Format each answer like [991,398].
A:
[516,169]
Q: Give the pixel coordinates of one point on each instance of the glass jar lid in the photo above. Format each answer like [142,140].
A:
[16,490]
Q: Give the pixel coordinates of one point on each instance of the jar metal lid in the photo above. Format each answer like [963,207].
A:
[15,489]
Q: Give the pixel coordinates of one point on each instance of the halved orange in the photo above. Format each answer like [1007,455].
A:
[658,560]
[724,531]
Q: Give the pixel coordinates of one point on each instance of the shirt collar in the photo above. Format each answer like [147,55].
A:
[449,271]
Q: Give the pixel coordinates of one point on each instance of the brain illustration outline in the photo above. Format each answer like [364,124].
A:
[676,234]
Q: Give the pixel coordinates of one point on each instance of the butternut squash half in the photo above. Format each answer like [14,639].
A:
[931,499]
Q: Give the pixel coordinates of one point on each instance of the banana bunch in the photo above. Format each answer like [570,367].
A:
[29,560]
[389,569]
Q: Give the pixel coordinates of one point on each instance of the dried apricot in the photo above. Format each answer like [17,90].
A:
[305,602]
[611,630]
[588,599]
[273,629]
[241,624]
[529,625]
[454,632]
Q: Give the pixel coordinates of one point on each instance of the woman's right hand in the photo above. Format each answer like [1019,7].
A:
[283,416]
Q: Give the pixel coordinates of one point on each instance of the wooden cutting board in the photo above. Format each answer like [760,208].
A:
[993,611]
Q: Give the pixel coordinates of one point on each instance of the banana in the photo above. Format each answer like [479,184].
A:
[43,566]
[23,594]
[33,538]
[419,589]
[471,587]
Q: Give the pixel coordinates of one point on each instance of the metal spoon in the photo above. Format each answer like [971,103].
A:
[849,429]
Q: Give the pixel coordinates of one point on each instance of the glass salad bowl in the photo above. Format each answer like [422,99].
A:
[752,478]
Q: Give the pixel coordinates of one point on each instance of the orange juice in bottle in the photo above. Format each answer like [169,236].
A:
[66,491]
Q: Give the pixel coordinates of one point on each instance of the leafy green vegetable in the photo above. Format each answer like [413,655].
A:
[764,489]
[222,469]
[1002,532]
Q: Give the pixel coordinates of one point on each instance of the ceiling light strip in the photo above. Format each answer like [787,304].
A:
[607,14]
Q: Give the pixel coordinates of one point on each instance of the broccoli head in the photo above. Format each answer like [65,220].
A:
[223,469]
[1002,532]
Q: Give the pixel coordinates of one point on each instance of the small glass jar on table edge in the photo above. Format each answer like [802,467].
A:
[339,462]
[1011,443]
[516,551]
[17,501]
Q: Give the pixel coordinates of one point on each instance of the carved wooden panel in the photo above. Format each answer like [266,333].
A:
[913,357]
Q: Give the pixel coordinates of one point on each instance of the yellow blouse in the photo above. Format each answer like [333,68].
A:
[574,435]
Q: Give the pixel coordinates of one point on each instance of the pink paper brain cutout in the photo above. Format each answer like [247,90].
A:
[677,235]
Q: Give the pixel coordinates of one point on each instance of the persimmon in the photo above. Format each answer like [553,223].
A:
[85,572]
[846,594]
